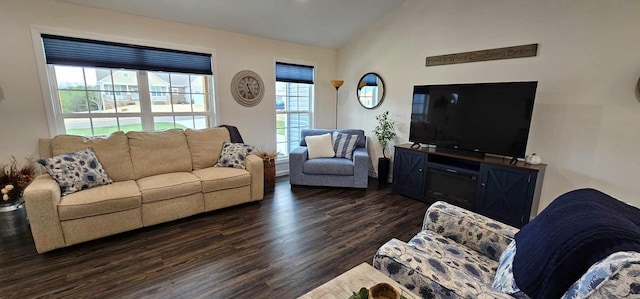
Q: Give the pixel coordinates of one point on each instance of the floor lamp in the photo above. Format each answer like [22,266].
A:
[337,84]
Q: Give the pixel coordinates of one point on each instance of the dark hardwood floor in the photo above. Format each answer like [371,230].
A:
[282,247]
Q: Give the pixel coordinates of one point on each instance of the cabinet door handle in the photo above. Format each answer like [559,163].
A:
[483,185]
[451,170]
[420,169]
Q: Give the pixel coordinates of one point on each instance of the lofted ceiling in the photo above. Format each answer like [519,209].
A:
[320,23]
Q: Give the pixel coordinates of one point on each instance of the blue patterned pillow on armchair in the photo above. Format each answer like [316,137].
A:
[504,280]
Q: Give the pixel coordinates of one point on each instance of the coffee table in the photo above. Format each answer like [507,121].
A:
[361,276]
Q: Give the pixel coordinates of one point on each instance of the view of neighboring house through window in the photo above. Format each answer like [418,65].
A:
[294,98]
[89,100]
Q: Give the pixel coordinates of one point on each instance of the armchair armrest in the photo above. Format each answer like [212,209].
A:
[296,159]
[255,166]
[612,277]
[41,200]
[473,230]
[360,167]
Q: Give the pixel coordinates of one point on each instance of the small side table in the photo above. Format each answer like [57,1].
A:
[269,174]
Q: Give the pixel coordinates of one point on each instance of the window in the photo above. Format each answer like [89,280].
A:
[294,97]
[368,90]
[99,94]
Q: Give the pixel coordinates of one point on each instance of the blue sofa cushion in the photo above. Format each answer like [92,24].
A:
[331,166]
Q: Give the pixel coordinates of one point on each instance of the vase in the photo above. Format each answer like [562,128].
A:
[384,164]
[13,218]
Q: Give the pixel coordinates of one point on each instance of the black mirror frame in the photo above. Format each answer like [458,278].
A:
[384,91]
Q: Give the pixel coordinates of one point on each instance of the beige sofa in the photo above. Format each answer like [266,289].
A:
[157,177]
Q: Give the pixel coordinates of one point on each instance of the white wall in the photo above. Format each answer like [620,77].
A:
[22,114]
[586,119]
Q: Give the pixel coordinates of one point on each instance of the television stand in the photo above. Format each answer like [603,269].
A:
[490,186]
[479,155]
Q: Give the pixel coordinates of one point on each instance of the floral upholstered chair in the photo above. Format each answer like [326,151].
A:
[461,254]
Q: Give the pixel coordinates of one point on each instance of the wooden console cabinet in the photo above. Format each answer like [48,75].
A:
[489,186]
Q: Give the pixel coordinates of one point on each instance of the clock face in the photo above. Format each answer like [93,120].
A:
[247,88]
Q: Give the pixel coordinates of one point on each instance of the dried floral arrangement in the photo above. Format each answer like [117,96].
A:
[267,156]
[14,178]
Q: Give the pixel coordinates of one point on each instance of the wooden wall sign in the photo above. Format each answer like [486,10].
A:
[484,55]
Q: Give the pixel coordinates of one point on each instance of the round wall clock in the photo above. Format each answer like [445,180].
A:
[247,88]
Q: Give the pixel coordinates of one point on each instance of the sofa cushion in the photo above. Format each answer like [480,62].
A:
[221,178]
[330,166]
[205,145]
[504,280]
[454,255]
[234,154]
[116,197]
[320,146]
[112,151]
[362,140]
[344,145]
[159,152]
[169,185]
[76,171]
[437,273]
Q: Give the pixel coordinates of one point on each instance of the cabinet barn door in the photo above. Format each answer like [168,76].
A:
[408,173]
[504,194]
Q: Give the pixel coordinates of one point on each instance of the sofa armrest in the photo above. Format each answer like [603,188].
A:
[361,167]
[255,166]
[473,230]
[615,276]
[296,159]
[41,200]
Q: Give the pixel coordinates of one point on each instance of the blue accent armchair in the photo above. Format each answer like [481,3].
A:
[334,172]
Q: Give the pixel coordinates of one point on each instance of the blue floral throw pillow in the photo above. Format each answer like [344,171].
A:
[344,145]
[504,280]
[234,155]
[76,171]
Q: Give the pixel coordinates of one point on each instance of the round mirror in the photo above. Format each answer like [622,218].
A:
[370,90]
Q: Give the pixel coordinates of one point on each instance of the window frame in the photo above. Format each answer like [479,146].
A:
[145,92]
[281,159]
[52,107]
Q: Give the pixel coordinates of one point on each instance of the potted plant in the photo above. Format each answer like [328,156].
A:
[385,132]
[14,178]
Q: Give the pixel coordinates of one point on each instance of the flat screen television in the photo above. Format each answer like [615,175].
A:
[477,118]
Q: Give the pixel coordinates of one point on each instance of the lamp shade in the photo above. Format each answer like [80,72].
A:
[337,83]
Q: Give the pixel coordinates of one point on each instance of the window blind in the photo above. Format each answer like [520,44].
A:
[294,73]
[93,53]
[371,80]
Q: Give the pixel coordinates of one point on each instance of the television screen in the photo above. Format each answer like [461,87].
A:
[482,117]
